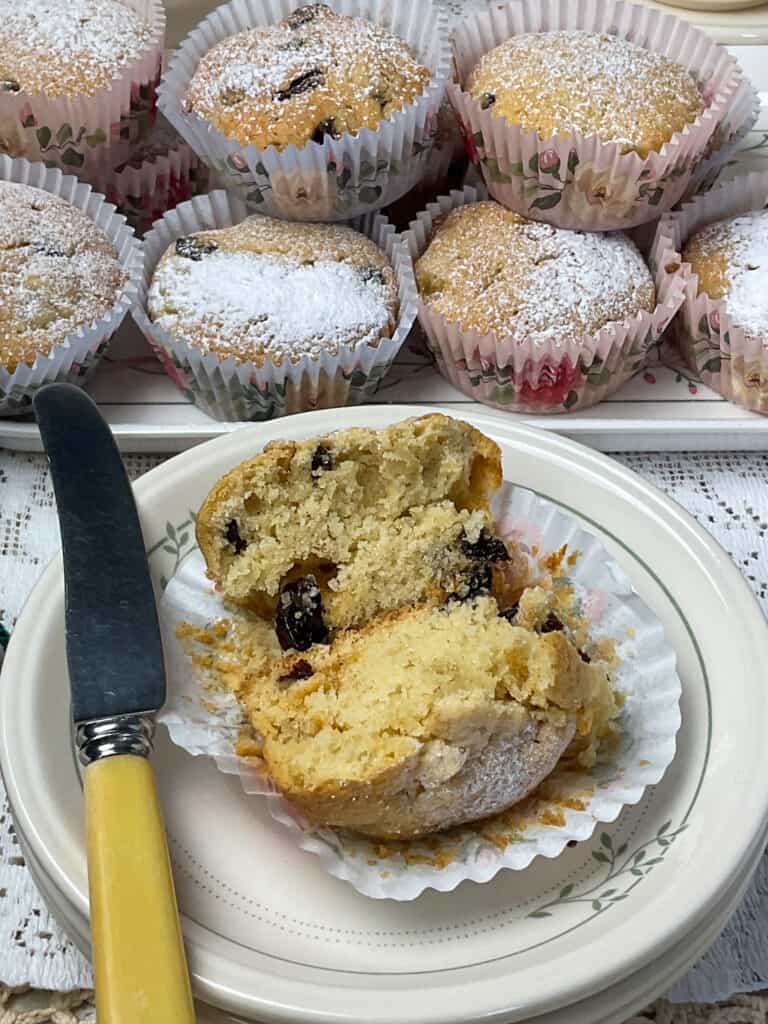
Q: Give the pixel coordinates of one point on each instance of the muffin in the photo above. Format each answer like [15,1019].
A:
[718,244]
[315,74]
[58,273]
[526,317]
[730,259]
[68,49]
[274,290]
[558,83]
[439,694]
[307,114]
[490,270]
[580,126]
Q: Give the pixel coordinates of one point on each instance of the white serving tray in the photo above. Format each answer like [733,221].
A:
[661,410]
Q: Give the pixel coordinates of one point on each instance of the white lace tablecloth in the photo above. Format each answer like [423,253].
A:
[728,495]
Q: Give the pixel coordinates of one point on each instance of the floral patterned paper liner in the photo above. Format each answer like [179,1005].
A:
[731,132]
[730,360]
[78,353]
[519,376]
[228,390]
[577,181]
[144,189]
[339,178]
[208,724]
[80,133]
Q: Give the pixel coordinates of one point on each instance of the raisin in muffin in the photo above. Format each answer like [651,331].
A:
[394,682]
[489,269]
[271,289]
[58,273]
[557,83]
[67,49]
[730,259]
[314,74]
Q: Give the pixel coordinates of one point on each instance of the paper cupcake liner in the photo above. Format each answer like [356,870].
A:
[578,181]
[727,139]
[339,178]
[75,357]
[537,377]
[448,149]
[207,724]
[80,133]
[729,359]
[159,175]
[229,390]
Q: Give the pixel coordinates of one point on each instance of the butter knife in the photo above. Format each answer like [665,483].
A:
[117,682]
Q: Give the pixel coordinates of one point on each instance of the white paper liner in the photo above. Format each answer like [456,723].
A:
[228,390]
[76,356]
[739,121]
[208,725]
[578,181]
[536,377]
[338,178]
[729,359]
[80,133]
[147,186]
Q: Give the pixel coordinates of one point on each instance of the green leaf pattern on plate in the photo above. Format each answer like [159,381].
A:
[620,872]
[177,542]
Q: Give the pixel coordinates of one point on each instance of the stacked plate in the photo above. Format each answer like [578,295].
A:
[588,937]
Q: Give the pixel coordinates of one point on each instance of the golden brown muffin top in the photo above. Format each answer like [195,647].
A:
[490,269]
[58,272]
[67,49]
[314,74]
[275,289]
[731,260]
[556,83]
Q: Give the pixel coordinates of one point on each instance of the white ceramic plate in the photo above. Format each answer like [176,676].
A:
[614,1005]
[272,937]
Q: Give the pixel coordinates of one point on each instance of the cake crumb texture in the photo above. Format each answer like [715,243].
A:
[396,674]
[378,519]
[419,721]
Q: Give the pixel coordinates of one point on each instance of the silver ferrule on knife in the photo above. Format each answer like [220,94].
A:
[120,734]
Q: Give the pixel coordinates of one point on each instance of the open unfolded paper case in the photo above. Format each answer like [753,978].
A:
[208,723]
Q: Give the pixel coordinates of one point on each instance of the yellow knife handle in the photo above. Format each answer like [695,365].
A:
[138,955]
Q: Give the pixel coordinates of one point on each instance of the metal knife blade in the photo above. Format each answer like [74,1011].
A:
[114,652]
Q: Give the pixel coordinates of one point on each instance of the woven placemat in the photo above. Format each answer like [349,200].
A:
[25,1006]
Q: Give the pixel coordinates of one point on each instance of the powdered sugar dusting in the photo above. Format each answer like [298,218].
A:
[68,48]
[58,272]
[314,74]
[248,304]
[745,239]
[574,81]
[487,268]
